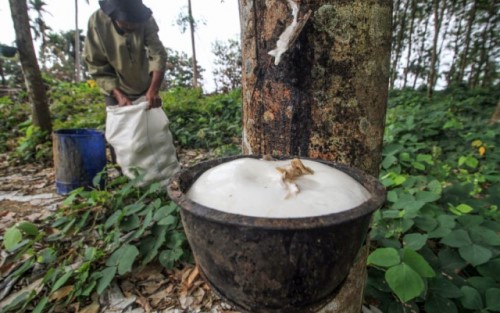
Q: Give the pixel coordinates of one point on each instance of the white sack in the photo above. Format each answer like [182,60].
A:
[142,142]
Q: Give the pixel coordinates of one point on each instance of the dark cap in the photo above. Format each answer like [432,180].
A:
[132,11]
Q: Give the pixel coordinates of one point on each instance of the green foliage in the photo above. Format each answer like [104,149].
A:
[34,145]
[437,237]
[209,122]
[12,112]
[93,238]
[77,106]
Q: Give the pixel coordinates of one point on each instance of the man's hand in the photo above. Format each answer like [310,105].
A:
[153,99]
[122,99]
[152,95]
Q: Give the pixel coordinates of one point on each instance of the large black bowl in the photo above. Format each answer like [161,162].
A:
[271,264]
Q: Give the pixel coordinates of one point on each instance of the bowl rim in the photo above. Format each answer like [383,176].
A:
[180,182]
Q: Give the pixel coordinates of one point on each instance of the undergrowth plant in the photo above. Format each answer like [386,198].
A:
[208,122]
[96,236]
[438,236]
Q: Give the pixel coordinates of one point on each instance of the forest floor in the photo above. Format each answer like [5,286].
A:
[28,193]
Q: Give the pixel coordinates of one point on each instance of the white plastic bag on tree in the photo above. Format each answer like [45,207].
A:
[142,142]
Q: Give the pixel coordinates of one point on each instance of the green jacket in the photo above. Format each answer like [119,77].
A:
[123,60]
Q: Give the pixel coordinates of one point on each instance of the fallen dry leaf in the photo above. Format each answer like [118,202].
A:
[144,303]
[192,276]
[61,293]
[94,307]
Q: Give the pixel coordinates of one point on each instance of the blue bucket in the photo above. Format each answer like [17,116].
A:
[79,155]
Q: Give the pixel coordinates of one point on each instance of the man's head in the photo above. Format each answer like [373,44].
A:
[128,13]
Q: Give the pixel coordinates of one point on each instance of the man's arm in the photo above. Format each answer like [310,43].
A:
[157,55]
[99,67]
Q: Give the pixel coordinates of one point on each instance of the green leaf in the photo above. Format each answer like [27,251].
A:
[493,299]
[427,196]
[469,221]
[130,223]
[437,304]
[426,223]
[417,263]
[472,162]
[165,211]
[28,228]
[133,208]
[61,281]
[169,220]
[457,238]
[450,260]
[475,254]
[444,287]
[483,235]
[481,283]
[107,276]
[11,238]
[159,235]
[41,305]
[435,187]
[446,223]
[130,252]
[168,257]
[464,208]
[71,198]
[471,299]
[113,219]
[418,166]
[47,256]
[427,158]
[404,282]
[490,269]
[176,240]
[123,258]
[384,257]
[414,241]
[392,196]
[389,161]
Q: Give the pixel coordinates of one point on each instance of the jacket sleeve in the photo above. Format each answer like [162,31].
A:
[157,53]
[99,67]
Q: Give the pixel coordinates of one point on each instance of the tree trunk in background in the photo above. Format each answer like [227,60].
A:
[410,42]
[191,26]
[467,39]
[438,17]
[326,99]
[2,75]
[398,44]
[77,46]
[29,64]
[421,52]
[495,118]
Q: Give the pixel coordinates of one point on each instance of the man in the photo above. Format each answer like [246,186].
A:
[124,53]
[128,60]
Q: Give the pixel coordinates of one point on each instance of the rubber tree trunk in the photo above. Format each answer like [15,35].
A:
[327,97]
[29,64]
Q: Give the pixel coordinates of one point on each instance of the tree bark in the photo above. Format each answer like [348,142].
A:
[29,64]
[410,42]
[191,26]
[467,40]
[77,46]
[495,118]
[438,17]
[327,97]
[397,45]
